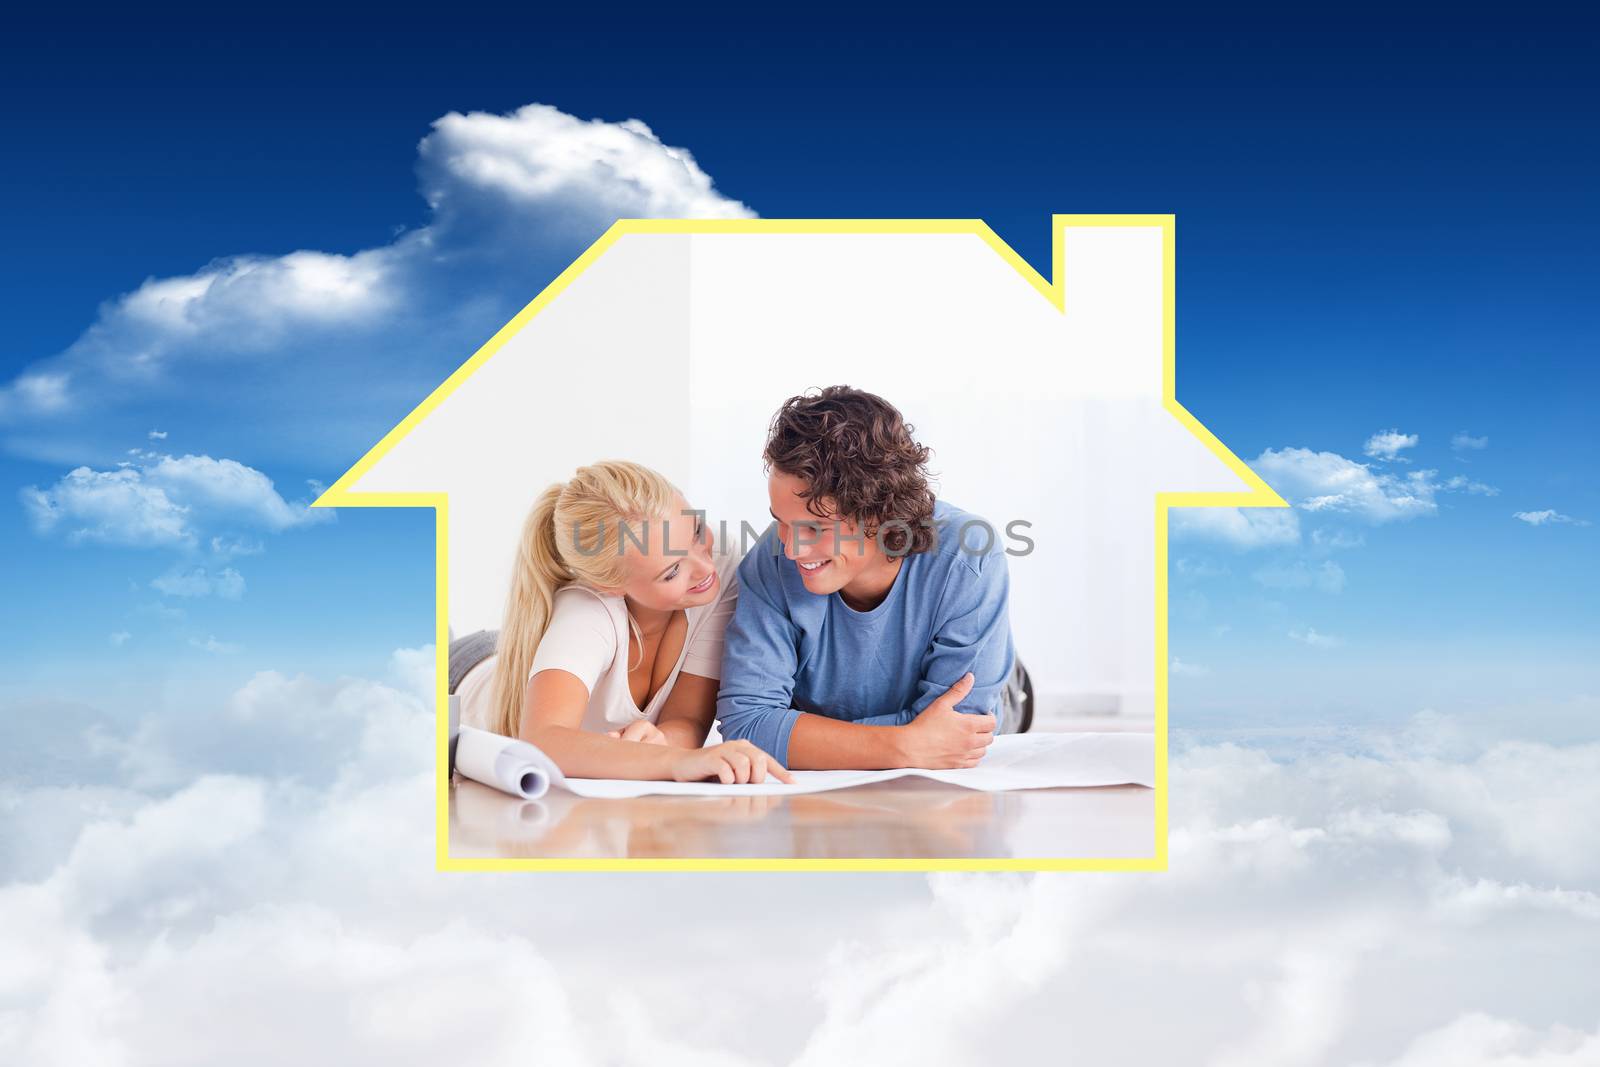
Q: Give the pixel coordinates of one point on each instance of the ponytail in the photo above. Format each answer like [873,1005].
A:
[535,576]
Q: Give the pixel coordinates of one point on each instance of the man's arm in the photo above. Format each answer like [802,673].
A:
[819,743]
[974,635]
[941,737]
[761,659]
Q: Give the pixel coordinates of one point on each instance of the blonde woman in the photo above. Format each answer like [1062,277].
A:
[611,646]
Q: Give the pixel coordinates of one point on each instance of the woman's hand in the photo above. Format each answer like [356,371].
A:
[731,763]
[641,731]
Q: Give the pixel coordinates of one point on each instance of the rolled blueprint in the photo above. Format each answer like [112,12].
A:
[505,763]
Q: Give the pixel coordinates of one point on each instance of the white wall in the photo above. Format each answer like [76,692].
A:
[1031,414]
[600,373]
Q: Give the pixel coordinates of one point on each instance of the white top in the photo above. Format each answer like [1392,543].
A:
[588,636]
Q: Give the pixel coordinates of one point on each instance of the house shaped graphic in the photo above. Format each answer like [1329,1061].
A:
[1049,404]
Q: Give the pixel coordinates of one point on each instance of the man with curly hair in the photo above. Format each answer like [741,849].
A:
[871,628]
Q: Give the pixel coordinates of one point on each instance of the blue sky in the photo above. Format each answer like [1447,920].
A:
[219,709]
[1375,234]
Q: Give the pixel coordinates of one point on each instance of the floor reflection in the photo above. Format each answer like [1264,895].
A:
[904,818]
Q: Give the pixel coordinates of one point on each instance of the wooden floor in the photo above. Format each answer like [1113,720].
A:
[906,818]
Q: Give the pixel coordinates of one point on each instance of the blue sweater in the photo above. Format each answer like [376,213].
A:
[788,650]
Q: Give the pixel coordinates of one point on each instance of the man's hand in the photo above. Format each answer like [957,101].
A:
[642,731]
[941,737]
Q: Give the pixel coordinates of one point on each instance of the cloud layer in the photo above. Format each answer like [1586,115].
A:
[271,859]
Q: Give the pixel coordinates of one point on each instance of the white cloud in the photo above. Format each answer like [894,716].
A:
[1333,540]
[1548,517]
[538,154]
[1388,444]
[1184,669]
[156,851]
[320,346]
[163,501]
[36,390]
[120,638]
[1329,486]
[1464,442]
[231,490]
[1481,899]
[158,435]
[226,547]
[1240,528]
[1326,576]
[997,940]
[297,878]
[1461,483]
[228,584]
[265,293]
[461,992]
[1310,915]
[312,728]
[1477,1039]
[1328,482]
[111,507]
[1309,636]
[213,646]
[236,307]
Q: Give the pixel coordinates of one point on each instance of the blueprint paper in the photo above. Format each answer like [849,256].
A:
[1014,761]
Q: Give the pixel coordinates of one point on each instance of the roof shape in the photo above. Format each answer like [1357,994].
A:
[672,341]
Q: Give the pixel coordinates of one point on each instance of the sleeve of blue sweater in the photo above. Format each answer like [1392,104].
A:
[760,657]
[973,634]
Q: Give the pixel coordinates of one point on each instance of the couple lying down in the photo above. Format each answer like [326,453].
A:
[867,628]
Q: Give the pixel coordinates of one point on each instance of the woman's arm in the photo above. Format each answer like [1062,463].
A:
[552,713]
[686,716]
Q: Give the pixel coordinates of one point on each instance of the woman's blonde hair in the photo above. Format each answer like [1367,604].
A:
[572,534]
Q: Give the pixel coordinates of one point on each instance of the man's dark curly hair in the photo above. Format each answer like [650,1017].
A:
[855,448]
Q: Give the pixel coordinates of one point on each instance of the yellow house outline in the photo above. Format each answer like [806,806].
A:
[1258,495]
